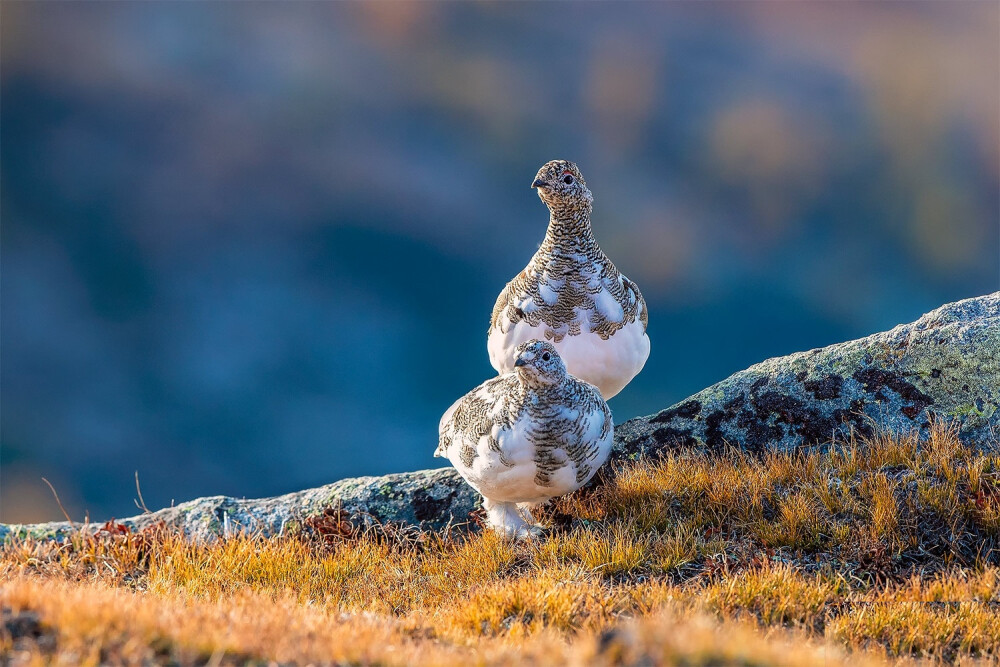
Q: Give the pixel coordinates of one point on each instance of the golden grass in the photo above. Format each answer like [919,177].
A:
[949,615]
[776,595]
[100,624]
[870,501]
[879,547]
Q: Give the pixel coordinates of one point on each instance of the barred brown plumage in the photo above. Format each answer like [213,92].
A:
[527,436]
[572,295]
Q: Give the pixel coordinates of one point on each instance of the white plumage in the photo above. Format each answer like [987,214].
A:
[608,364]
[527,436]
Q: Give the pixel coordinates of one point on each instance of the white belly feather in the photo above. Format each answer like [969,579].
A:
[512,478]
[609,364]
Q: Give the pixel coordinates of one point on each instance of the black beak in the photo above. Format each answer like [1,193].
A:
[519,362]
[539,183]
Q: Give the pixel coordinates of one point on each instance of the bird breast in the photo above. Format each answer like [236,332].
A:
[548,450]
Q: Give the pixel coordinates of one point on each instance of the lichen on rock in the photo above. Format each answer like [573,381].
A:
[946,365]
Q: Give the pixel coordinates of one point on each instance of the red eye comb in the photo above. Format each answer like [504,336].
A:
[567,173]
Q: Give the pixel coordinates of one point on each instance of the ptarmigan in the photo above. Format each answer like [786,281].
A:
[572,295]
[527,436]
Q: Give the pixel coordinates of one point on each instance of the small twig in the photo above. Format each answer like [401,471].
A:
[141,504]
[58,502]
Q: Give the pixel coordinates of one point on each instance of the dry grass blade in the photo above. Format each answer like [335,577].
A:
[59,502]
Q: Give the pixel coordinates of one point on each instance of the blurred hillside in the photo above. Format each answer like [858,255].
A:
[250,248]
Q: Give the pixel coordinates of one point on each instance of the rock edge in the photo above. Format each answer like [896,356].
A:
[944,365]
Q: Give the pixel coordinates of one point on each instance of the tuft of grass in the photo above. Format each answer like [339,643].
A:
[888,545]
[951,615]
[565,599]
[777,595]
[611,550]
[800,523]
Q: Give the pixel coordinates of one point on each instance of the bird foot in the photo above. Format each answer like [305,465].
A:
[525,532]
[511,520]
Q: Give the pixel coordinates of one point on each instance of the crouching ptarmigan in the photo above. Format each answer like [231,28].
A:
[572,295]
[527,436]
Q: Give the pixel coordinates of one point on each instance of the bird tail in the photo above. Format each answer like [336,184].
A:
[442,448]
[444,431]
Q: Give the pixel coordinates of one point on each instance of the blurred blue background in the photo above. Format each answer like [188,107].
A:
[249,248]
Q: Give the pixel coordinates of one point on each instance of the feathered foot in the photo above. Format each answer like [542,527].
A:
[511,520]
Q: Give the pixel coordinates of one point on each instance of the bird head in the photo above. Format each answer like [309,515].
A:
[537,363]
[560,184]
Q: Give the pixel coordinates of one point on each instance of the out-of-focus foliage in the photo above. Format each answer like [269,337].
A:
[248,248]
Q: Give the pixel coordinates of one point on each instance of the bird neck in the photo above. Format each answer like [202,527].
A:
[569,228]
[535,384]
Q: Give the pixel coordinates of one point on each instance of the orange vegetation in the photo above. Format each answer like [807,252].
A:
[883,548]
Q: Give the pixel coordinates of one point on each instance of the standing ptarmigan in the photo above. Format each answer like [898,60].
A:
[572,295]
[527,436]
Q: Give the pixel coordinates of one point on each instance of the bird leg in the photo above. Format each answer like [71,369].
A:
[509,520]
[525,510]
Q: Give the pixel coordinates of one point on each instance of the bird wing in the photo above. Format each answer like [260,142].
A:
[559,291]
[444,428]
[570,431]
[481,413]
[633,297]
[513,302]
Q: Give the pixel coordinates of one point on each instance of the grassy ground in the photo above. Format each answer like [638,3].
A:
[879,550]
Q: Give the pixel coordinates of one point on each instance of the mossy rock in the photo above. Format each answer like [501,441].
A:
[946,366]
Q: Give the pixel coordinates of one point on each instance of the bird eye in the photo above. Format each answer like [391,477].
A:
[568,180]
[546,356]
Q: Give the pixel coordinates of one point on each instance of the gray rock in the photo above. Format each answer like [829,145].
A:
[429,498]
[946,364]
